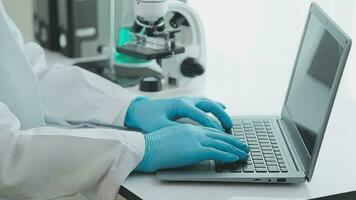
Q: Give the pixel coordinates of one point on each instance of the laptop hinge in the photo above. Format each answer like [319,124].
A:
[291,148]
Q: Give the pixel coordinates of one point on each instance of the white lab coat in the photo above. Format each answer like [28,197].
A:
[42,162]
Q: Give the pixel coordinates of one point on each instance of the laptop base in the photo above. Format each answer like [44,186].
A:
[207,171]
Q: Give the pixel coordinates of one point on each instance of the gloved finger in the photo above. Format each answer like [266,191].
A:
[221,104]
[218,111]
[218,135]
[217,155]
[223,146]
[197,115]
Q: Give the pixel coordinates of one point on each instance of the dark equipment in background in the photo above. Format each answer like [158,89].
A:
[45,23]
[79,31]
[76,28]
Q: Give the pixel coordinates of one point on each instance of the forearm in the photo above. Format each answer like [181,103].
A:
[47,163]
[71,93]
[83,96]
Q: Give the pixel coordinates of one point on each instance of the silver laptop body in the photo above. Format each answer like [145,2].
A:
[291,142]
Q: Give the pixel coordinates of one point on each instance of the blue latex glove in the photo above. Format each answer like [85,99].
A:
[185,145]
[150,115]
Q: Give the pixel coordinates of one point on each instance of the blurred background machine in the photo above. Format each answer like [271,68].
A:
[45,23]
[159,44]
[76,28]
[166,33]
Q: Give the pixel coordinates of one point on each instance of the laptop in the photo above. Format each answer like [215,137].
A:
[285,149]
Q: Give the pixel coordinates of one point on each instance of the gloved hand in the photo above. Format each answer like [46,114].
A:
[150,115]
[186,145]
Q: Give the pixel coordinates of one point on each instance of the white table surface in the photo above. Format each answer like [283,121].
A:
[249,72]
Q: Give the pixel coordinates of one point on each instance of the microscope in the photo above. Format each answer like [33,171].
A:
[170,33]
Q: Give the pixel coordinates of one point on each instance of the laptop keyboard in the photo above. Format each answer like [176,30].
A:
[265,154]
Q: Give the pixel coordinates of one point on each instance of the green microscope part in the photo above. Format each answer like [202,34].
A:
[125,36]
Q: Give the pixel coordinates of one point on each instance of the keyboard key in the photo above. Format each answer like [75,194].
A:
[256,153]
[265,145]
[254,147]
[281,162]
[268,155]
[259,162]
[252,143]
[248,168]
[261,170]
[284,169]
[264,141]
[267,151]
[257,157]
[239,134]
[255,150]
[260,165]
[251,137]
[271,164]
[279,157]
[273,169]
[266,148]
[270,160]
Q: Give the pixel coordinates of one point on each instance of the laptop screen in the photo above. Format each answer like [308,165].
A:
[310,95]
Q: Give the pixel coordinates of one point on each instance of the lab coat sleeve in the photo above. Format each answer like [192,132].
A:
[47,163]
[73,94]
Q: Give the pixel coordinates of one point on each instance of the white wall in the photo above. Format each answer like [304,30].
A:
[21,12]
[260,31]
